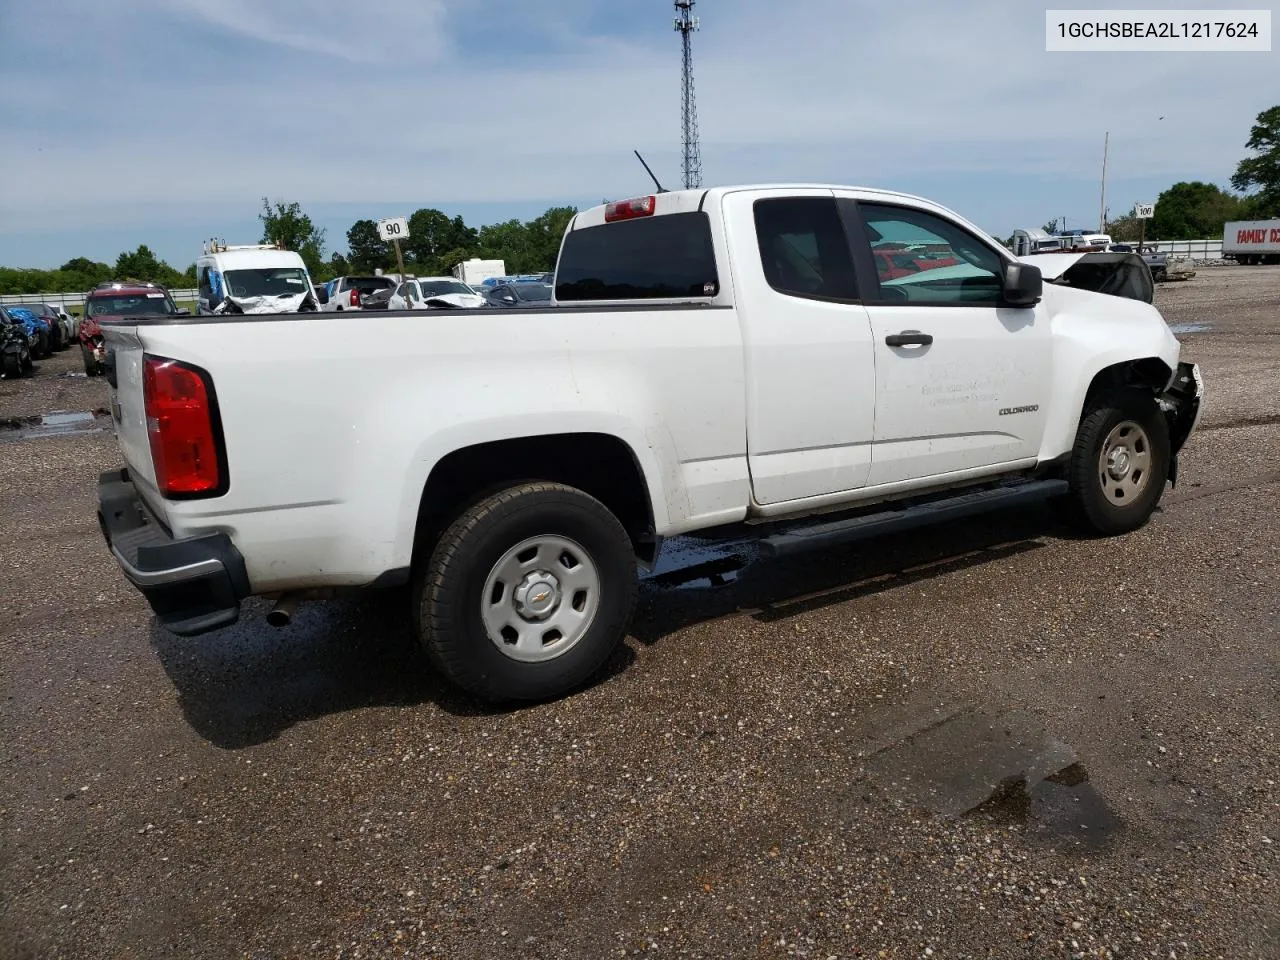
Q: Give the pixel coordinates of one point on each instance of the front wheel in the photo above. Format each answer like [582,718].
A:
[1120,462]
[90,364]
[13,367]
[527,593]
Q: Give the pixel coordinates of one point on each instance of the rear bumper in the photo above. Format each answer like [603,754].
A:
[193,585]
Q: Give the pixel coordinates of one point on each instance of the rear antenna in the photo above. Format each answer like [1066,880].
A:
[661,188]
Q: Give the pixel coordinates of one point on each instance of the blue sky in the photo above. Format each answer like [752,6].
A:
[166,121]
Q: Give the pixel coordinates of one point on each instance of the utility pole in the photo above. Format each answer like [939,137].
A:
[1102,206]
[691,164]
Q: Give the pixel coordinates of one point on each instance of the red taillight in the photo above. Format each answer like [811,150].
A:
[630,209]
[180,426]
[355,297]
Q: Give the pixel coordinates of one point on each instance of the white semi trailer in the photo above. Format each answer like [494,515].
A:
[1252,241]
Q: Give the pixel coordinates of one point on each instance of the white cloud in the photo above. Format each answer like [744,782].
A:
[382,32]
[499,101]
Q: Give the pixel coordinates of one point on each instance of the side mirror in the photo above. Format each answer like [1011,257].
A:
[1023,285]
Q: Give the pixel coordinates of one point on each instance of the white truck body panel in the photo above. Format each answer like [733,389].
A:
[476,271]
[327,499]
[743,404]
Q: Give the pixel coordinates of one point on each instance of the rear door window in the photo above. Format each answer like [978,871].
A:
[803,248]
[649,258]
[368,285]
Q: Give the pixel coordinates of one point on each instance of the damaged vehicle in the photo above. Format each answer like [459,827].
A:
[713,362]
[434,293]
[15,348]
[254,279]
[114,300]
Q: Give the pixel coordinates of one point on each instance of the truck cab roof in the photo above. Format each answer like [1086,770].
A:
[255,258]
[690,201]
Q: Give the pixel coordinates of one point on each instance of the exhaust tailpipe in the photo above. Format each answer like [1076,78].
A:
[282,612]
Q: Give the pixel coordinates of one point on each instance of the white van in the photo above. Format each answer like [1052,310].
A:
[262,278]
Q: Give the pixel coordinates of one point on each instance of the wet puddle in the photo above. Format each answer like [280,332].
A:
[1005,767]
[1063,808]
[60,423]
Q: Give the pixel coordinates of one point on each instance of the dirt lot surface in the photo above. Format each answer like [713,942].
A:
[986,739]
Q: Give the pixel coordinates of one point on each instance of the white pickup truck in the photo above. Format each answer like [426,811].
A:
[714,358]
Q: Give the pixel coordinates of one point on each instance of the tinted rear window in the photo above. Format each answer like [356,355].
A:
[370,284]
[649,258]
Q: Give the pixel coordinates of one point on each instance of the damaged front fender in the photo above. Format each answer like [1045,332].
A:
[1181,403]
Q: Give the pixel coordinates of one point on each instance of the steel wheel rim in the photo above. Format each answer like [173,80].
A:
[540,598]
[1124,463]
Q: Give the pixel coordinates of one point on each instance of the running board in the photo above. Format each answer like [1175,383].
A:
[892,521]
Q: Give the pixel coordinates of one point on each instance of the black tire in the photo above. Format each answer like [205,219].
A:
[90,365]
[26,361]
[1098,501]
[12,366]
[449,591]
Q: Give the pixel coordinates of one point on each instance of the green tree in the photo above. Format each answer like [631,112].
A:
[89,271]
[1126,228]
[1262,171]
[336,267]
[451,258]
[1051,226]
[1193,211]
[545,234]
[432,239]
[510,243]
[366,250]
[286,224]
[141,264]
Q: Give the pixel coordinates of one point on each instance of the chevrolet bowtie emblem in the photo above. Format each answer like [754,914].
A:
[542,596]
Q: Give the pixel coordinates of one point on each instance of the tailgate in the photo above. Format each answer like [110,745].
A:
[128,413]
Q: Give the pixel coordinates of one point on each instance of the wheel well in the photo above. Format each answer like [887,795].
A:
[1149,372]
[596,463]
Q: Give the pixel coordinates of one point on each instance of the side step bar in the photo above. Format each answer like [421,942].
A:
[892,521]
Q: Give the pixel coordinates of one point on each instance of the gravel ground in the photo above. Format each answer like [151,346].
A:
[988,739]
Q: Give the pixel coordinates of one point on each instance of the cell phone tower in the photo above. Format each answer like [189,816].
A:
[691,165]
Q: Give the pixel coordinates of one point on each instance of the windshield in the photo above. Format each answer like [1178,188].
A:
[267,282]
[532,291]
[129,305]
[435,288]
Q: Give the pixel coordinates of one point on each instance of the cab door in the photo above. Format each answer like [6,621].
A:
[810,365]
[962,380]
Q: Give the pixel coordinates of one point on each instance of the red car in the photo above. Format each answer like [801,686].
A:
[113,300]
[891,265]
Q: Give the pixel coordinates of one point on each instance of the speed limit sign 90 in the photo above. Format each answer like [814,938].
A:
[393,228]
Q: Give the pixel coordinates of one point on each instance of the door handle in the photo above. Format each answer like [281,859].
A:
[909,338]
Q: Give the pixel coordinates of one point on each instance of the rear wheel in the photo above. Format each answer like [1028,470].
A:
[526,593]
[1120,462]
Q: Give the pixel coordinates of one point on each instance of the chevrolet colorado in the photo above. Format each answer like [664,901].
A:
[713,358]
